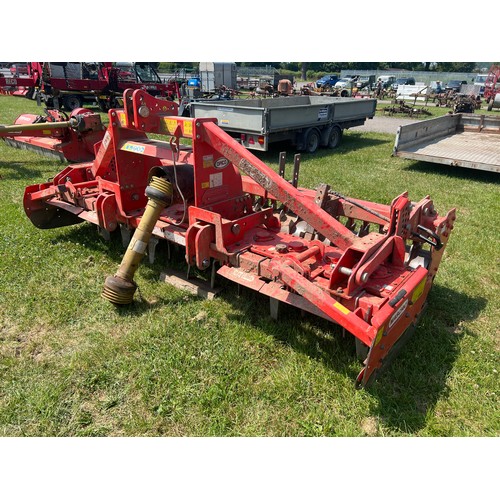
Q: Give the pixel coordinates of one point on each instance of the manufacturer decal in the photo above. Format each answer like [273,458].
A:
[106,139]
[221,163]
[208,161]
[398,313]
[323,113]
[134,148]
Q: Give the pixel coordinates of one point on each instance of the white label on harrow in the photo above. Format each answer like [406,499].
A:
[398,313]
[106,139]
[216,180]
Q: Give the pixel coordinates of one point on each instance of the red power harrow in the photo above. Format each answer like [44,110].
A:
[366,266]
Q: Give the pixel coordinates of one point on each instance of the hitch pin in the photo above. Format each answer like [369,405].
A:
[347,271]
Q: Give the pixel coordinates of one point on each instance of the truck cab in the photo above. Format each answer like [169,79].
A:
[479,84]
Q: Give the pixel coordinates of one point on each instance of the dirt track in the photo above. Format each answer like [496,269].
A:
[385,124]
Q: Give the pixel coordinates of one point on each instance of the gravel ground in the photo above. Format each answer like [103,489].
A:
[385,124]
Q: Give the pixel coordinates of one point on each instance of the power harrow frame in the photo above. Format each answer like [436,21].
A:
[365,266]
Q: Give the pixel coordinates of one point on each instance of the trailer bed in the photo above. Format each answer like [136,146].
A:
[281,118]
[461,140]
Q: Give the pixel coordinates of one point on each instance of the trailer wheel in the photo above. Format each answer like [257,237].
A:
[72,102]
[335,137]
[312,141]
[490,105]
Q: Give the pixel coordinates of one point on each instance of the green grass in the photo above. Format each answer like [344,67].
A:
[429,111]
[172,364]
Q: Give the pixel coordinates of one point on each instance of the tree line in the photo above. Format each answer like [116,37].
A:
[336,67]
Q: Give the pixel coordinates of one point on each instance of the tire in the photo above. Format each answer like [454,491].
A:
[335,137]
[490,105]
[72,102]
[312,141]
[103,105]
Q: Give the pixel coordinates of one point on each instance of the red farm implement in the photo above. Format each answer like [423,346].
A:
[56,135]
[366,266]
[70,85]
[22,83]
[492,86]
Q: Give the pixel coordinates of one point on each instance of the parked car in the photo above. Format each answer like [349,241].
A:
[455,85]
[365,81]
[344,82]
[327,81]
[402,81]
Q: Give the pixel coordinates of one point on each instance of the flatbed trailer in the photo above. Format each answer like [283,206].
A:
[307,121]
[459,140]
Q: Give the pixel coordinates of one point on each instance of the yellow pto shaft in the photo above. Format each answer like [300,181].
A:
[120,288]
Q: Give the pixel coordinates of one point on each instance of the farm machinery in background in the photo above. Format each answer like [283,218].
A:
[365,266]
[350,86]
[70,85]
[22,81]
[56,135]
[492,88]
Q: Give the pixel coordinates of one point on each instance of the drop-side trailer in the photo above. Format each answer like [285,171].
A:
[459,140]
[307,121]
